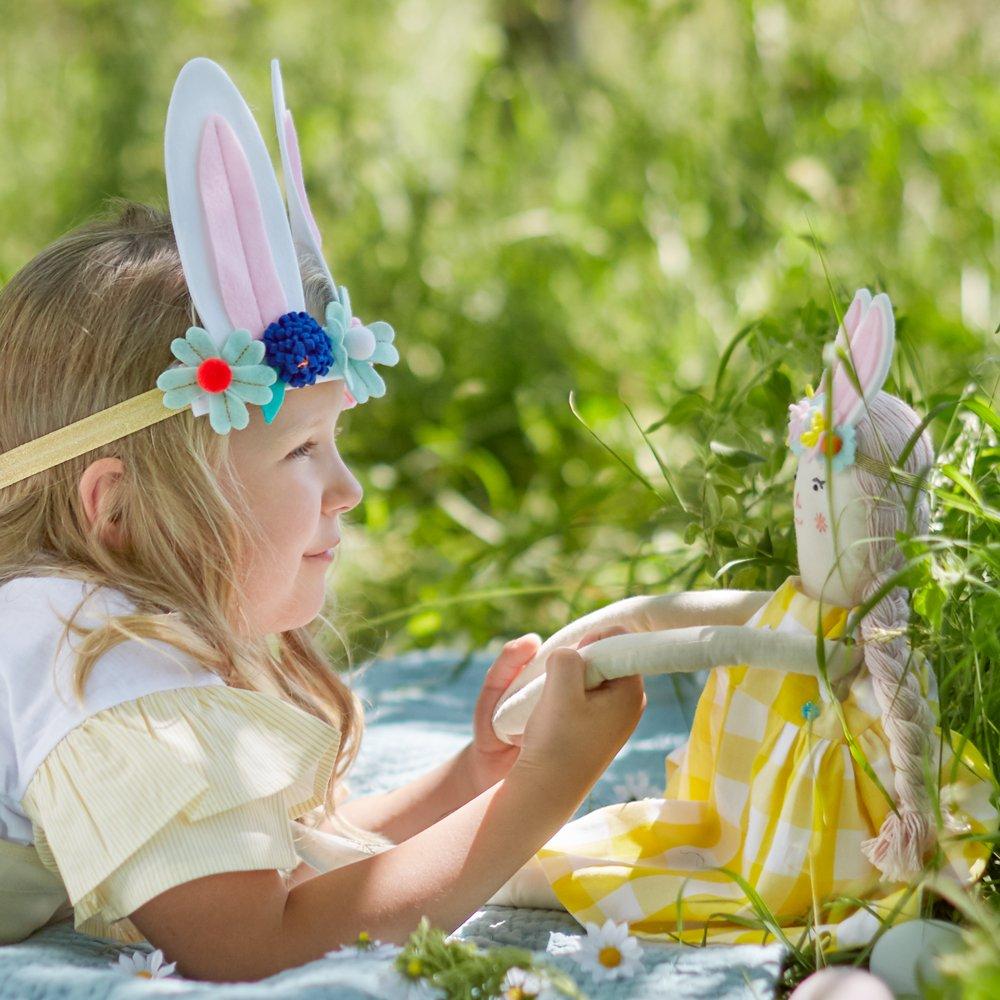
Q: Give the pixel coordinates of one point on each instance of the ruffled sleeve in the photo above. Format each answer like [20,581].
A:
[173,786]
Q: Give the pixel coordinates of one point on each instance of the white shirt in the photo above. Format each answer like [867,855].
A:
[37,704]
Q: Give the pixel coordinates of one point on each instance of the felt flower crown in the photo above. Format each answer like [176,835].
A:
[823,423]
[239,247]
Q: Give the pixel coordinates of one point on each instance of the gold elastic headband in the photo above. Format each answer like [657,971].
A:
[84,435]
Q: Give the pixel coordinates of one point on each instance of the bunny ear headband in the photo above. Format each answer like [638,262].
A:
[857,369]
[238,250]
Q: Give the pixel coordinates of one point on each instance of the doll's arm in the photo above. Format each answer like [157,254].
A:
[648,614]
[685,650]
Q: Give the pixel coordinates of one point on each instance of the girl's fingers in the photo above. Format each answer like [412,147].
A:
[514,656]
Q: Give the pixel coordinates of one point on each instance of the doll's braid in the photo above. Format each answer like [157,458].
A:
[899,848]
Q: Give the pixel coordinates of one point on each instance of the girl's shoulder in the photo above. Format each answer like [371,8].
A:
[38,657]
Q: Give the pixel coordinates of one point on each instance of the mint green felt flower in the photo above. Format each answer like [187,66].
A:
[229,378]
[357,348]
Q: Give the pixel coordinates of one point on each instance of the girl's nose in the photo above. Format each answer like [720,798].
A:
[344,492]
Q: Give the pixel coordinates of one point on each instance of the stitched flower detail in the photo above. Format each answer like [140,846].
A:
[357,348]
[816,426]
[229,378]
[810,711]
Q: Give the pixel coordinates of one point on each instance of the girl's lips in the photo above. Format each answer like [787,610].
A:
[324,556]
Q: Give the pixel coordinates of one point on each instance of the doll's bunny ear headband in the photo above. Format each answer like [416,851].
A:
[857,368]
[239,252]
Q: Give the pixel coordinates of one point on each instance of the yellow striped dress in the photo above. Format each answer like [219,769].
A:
[765,810]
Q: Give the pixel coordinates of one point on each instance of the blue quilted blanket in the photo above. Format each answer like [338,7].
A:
[419,712]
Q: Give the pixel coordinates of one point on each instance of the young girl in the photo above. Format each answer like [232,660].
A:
[172,738]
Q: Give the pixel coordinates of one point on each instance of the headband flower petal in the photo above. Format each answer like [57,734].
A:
[228,379]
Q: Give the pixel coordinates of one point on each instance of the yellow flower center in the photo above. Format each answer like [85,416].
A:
[414,967]
[145,974]
[364,937]
[609,956]
[816,427]
[515,993]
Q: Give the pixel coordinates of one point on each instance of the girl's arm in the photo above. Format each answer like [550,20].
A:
[247,925]
[400,813]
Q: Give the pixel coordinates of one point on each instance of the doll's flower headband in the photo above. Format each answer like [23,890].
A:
[856,371]
[239,252]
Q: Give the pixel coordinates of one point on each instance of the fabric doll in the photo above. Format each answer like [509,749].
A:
[805,779]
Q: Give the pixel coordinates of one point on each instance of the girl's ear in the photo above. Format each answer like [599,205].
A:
[866,353]
[226,207]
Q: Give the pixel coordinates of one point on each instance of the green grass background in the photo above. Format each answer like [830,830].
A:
[626,200]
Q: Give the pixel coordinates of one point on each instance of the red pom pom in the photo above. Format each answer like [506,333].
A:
[214,375]
[830,444]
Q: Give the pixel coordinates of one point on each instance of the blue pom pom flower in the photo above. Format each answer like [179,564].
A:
[357,348]
[228,379]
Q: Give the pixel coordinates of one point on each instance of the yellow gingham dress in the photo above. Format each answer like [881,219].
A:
[776,798]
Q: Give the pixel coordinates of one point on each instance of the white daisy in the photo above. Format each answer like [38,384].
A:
[143,965]
[366,947]
[635,786]
[609,952]
[519,984]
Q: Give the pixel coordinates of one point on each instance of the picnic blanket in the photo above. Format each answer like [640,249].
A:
[419,710]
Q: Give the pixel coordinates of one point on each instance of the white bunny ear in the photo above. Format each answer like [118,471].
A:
[869,349]
[858,307]
[226,208]
[305,232]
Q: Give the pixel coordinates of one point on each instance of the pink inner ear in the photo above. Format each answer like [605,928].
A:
[853,315]
[248,281]
[870,353]
[295,162]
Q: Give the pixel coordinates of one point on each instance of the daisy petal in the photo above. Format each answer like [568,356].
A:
[384,354]
[259,394]
[175,399]
[239,415]
[175,378]
[201,342]
[255,374]
[236,343]
[218,413]
[185,353]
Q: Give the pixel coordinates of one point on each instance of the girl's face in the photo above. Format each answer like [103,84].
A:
[297,486]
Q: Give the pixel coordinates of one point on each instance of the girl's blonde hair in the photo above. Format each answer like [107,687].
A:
[86,324]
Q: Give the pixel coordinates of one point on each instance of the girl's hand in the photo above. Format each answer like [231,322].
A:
[488,758]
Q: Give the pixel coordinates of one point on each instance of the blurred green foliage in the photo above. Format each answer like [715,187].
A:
[556,196]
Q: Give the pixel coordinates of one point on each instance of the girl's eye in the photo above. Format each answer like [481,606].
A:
[303,450]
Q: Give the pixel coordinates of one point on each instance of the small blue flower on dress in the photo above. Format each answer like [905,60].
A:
[229,378]
[143,965]
[357,348]
[810,711]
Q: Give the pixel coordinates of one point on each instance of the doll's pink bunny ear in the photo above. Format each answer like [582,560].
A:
[226,207]
[305,232]
[869,349]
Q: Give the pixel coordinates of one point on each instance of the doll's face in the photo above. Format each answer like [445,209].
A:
[830,531]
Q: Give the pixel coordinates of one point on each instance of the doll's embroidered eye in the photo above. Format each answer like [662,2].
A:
[818,484]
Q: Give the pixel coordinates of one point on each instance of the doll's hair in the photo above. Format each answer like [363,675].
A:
[907,719]
[84,325]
